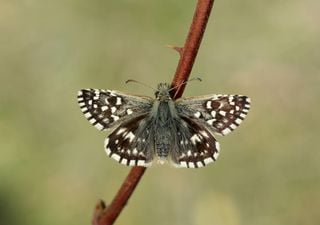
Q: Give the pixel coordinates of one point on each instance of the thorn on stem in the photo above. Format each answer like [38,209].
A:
[98,211]
[178,49]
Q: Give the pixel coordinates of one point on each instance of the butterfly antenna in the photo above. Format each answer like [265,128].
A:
[192,79]
[138,82]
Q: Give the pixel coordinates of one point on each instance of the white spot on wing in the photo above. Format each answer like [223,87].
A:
[213,113]
[209,105]
[233,126]
[87,115]
[92,120]
[197,114]
[243,115]
[141,163]
[99,126]
[208,160]
[115,118]
[226,131]
[216,155]
[108,151]
[121,130]
[238,121]
[84,109]
[211,121]
[245,110]
[118,101]
[104,108]
[183,164]
[129,111]
[217,146]
[113,109]
[124,161]
[135,151]
[222,113]
[79,93]
[106,142]
[204,133]
[116,157]
[195,138]
[130,135]
[199,164]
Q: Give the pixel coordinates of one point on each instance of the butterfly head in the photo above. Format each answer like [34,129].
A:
[162,92]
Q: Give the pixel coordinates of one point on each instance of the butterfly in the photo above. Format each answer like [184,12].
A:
[162,129]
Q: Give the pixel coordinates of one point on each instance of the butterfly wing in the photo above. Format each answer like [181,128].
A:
[132,143]
[221,114]
[105,109]
[195,145]
[129,143]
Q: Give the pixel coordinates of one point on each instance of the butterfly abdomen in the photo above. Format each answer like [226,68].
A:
[163,128]
[162,149]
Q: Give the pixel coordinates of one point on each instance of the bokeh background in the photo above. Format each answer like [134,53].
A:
[53,168]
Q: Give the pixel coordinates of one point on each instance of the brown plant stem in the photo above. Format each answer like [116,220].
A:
[106,215]
[190,49]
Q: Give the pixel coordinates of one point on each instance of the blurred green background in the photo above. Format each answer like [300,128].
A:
[53,168]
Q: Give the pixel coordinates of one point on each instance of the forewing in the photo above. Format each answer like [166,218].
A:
[105,109]
[220,113]
[131,143]
[195,146]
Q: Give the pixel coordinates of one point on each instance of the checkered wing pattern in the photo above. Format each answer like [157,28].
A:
[129,143]
[196,146]
[221,114]
[132,143]
[106,109]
